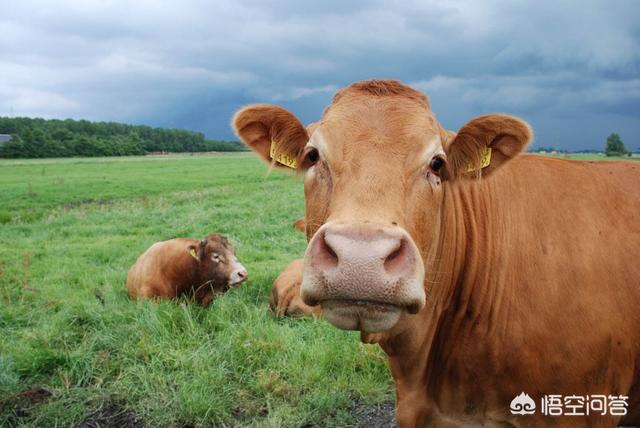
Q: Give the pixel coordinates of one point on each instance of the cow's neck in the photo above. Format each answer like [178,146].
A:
[459,293]
[470,255]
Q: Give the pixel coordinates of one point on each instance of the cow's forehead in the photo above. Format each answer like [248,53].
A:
[218,242]
[379,127]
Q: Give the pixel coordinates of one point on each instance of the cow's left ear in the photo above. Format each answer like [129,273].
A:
[484,144]
[272,132]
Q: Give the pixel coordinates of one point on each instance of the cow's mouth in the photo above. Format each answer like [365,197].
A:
[230,286]
[364,315]
[370,304]
[236,283]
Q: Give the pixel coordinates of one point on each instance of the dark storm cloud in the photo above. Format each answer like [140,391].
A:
[572,68]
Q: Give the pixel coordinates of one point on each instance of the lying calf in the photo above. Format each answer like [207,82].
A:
[171,268]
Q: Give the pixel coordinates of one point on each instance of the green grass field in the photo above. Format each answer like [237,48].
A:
[74,348]
[73,345]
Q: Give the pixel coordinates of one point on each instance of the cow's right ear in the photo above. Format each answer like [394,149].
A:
[272,132]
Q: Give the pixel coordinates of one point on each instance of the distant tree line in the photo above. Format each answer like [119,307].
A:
[41,138]
[613,147]
[543,149]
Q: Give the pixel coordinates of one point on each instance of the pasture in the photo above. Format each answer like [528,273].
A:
[75,349]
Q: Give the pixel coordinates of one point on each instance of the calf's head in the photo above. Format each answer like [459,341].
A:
[375,170]
[217,262]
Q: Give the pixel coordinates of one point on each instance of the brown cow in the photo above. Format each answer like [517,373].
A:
[490,272]
[300,225]
[171,268]
[285,297]
[285,294]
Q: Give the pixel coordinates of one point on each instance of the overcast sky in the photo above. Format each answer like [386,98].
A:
[571,68]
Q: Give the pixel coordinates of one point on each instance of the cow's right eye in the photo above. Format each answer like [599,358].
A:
[310,157]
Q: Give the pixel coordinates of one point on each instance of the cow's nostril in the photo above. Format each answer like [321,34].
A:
[332,253]
[394,254]
[242,274]
[325,255]
[329,252]
[396,260]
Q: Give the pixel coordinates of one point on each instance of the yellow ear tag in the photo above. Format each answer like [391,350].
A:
[485,160]
[193,253]
[283,158]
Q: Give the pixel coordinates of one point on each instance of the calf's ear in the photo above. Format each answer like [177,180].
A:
[486,143]
[272,132]
[193,251]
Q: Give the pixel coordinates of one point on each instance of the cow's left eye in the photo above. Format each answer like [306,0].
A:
[436,164]
[216,258]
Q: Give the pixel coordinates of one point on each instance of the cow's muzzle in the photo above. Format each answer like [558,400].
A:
[363,275]
[238,275]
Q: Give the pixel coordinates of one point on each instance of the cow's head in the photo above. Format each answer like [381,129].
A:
[375,171]
[217,262]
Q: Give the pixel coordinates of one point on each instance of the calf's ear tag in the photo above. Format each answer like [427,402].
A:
[485,160]
[193,253]
[282,158]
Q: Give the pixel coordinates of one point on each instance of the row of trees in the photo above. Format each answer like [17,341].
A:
[38,138]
